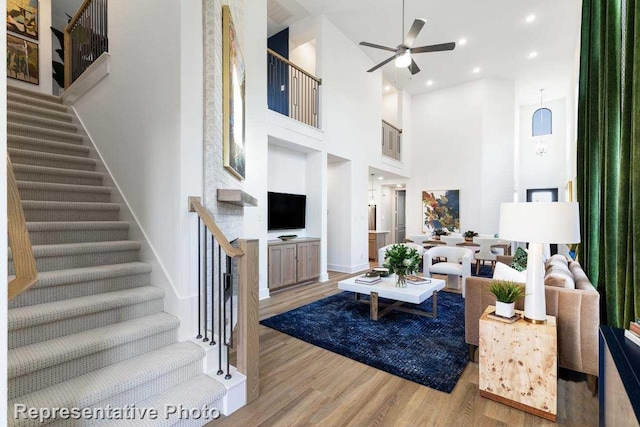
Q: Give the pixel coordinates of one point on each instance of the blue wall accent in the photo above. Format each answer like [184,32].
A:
[278,73]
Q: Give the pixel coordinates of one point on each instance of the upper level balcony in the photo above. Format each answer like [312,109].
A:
[293,91]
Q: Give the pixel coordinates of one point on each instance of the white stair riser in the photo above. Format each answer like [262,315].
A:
[76,236]
[64,196]
[38,215]
[58,178]
[38,295]
[43,146]
[68,326]
[26,159]
[80,366]
[51,263]
[36,102]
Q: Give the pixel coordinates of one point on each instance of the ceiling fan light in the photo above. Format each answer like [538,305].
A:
[403,60]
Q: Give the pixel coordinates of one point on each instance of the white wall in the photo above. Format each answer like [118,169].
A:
[550,170]
[304,56]
[338,215]
[44,51]
[135,126]
[390,110]
[463,141]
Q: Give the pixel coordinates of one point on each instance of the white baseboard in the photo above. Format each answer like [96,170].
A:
[347,269]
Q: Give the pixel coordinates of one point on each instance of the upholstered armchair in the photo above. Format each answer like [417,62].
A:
[457,265]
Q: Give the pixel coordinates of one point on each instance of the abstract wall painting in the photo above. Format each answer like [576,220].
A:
[233,94]
[22,17]
[22,60]
[441,210]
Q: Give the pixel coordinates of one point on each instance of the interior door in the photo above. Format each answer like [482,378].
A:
[400,228]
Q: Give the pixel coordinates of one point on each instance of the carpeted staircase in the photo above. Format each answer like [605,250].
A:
[92,331]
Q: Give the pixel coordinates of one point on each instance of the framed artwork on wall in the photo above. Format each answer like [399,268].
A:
[441,210]
[233,90]
[22,17]
[22,60]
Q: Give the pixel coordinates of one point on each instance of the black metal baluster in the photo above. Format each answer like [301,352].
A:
[221,337]
[213,328]
[206,339]
[229,288]
[199,280]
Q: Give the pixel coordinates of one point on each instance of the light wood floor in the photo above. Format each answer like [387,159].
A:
[303,385]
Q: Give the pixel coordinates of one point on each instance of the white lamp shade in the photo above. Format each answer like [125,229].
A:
[404,60]
[550,222]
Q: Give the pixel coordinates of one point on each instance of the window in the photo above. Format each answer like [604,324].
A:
[541,122]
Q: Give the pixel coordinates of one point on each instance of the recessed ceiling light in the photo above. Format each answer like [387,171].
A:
[476,70]
[387,88]
[429,82]
[381,178]
[462,42]
[533,54]
[530,18]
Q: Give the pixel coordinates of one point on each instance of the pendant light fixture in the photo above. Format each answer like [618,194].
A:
[372,200]
[541,145]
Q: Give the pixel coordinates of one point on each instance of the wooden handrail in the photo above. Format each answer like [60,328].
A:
[291,64]
[24,263]
[196,206]
[389,124]
[77,16]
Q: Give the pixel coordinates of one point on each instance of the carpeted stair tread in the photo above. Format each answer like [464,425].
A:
[111,380]
[69,206]
[25,317]
[34,131]
[47,146]
[33,357]
[197,392]
[84,274]
[33,94]
[29,120]
[19,156]
[39,112]
[53,186]
[34,227]
[36,102]
[44,170]
[81,248]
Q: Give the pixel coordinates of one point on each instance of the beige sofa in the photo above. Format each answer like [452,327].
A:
[577,312]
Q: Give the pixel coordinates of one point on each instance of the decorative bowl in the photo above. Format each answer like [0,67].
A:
[287,237]
[383,272]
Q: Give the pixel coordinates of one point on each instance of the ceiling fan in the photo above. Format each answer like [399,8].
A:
[402,53]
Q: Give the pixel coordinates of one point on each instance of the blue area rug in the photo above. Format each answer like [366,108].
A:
[431,352]
[485,271]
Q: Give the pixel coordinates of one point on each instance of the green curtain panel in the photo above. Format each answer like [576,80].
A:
[608,181]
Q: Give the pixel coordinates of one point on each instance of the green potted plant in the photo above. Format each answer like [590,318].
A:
[506,293]
[469,235]
[440,232]
[402,260]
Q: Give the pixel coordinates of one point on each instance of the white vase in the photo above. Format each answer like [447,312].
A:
[505,309]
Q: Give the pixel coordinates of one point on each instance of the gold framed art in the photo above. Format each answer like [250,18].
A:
[22,60]
[22,17]
[233,94]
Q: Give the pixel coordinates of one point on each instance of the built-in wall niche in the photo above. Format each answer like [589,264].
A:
[296,171]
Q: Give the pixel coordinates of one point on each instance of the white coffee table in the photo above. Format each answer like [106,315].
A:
[414,294]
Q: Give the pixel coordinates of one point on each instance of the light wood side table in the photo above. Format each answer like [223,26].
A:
[519,364]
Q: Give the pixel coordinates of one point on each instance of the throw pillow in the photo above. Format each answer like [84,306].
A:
[559,276]
[504,272]
[519,262]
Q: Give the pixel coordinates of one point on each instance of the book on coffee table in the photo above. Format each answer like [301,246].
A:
[418,280]
[368,280]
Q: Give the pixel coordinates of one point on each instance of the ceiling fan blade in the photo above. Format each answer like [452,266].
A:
[413,32]
[377,46]
[385,62]
[414,67]
[434,48]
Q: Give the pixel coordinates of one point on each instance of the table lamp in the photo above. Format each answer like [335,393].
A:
[538,223]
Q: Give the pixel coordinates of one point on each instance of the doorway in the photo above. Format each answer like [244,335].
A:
[400,225]
[542,195]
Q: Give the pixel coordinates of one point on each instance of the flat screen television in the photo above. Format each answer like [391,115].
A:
[286,211]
